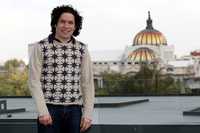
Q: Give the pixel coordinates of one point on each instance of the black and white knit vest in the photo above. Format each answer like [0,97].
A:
[61,68]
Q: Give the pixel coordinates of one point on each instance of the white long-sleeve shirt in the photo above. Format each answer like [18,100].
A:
[86,81]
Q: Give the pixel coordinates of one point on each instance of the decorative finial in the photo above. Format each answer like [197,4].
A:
[149,22]
[149,15]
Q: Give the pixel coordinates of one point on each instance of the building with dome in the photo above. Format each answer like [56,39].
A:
[149,46]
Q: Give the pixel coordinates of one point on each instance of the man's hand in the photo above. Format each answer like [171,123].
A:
[45,120]
[85,124]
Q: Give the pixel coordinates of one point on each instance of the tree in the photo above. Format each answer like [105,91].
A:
[148,81]
[13,64]
[14,82]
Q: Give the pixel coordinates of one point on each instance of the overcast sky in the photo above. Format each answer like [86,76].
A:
[107,25]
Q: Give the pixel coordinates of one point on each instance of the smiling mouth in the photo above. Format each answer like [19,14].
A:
[66,31]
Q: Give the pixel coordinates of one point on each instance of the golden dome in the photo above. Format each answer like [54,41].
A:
[149,36]
[142,55]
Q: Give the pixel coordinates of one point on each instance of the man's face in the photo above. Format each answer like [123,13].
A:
[65,26]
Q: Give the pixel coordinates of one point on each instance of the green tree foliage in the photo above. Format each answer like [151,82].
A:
[13,64]
[14,81]
[148,81]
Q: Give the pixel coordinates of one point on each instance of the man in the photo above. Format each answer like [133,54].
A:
[60,76]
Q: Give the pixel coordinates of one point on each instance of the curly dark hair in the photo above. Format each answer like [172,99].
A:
[58,11]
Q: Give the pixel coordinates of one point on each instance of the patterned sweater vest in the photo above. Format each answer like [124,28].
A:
[60,74]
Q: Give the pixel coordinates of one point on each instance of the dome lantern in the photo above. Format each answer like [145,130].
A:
[149,22]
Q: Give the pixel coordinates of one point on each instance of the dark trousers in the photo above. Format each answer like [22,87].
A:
[66,119]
